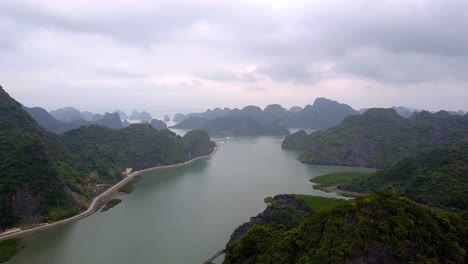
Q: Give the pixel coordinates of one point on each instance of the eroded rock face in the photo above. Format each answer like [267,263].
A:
[28,207]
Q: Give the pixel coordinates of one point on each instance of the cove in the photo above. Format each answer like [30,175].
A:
[181,215]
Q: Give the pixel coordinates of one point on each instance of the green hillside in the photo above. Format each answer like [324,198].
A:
[379,228]
[378,138]
[437,178]
[45,177]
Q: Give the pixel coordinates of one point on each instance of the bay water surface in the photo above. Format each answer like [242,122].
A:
[181,215]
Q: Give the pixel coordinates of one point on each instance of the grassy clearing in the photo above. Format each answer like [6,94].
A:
[128,188]
[337,178]
[318,202]
[8,248]
[111,204]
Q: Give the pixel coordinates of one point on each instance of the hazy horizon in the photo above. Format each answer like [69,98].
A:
[189,56]
[161,114]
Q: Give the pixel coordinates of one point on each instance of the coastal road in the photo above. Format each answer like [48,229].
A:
[97,201]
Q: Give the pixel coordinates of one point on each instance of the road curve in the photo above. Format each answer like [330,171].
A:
[97,201]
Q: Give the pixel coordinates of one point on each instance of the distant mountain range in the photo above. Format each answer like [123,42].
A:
[70,114]
[111,120]
[143,116]
[324,113]
[408,112]
[232,126]
[378,138]
[67,114]
[47,121]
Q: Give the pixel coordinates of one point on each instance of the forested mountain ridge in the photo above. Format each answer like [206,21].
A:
[137,146]
[322,114]
[379,138]
[437,178]
[233,126]
[378,228]
[47,177]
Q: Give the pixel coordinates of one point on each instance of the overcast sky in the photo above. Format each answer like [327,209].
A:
[182,56]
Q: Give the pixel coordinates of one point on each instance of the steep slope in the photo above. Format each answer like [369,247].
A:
[379,228]
[33,171]
[378,138]
[44,119]
[437,178]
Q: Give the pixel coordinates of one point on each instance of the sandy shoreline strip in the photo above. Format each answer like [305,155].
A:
[97,201]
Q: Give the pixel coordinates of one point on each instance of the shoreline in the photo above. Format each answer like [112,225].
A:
[98,201]
[334,189]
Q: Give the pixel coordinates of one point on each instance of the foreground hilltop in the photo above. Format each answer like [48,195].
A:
[378,138]
[45,177]
[379,228]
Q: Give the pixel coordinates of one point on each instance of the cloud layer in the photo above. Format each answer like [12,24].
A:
[190,55]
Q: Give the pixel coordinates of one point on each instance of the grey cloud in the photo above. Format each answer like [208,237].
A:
[298,72]
[7,45]
[118,73]
[413,41]
[282,71]
[404,68]
[256,89]
[137,26]
[393,43]
[217,75]
[225,76]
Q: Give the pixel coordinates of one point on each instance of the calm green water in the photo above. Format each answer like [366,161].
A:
[180,215]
